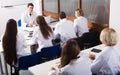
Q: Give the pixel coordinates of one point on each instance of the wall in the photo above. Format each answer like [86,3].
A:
[38,6]
[115,16]
[15,13]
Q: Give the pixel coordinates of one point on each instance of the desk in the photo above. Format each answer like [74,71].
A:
[52,25]
[44,68]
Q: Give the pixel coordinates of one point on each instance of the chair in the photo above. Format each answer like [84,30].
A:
[88,39]
[19,23]
[28,61]
[50,53]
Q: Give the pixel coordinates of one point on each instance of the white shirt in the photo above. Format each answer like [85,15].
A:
[108,62]
[40,40]
[21,45]
[27,19]
[81,66]
[81,25]
[66,29]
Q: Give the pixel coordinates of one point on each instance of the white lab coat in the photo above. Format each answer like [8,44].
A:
[21,45]
[40,40]
[66,30]
[81,25]
[81,66]
[27,19]
[107,62]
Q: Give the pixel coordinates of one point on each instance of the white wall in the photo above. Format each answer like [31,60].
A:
[38,6]
[15,13]
[115,16]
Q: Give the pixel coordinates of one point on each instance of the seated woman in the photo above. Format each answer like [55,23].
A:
[71,62]
[13,43]
[108,61]
[43,34]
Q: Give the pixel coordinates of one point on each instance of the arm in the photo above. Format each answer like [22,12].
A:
[23,20]
[97,64]
[56,30]
[75,27]
[35,36]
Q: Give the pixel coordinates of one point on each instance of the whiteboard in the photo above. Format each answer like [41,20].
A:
[7,3]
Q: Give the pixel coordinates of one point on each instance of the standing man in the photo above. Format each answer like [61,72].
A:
[80,23]
[28,17]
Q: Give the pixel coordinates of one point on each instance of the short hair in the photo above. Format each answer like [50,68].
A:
[30,4]
[62,15]
[108,37]
[80,12]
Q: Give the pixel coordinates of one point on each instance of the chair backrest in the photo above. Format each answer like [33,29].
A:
[88,39]
[19,23]
[28,61]
[50,53]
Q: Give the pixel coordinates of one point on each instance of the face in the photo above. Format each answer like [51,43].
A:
[76,14]
[30,9]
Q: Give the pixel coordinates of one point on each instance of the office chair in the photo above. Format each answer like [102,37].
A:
[27,61]
[19,23]
[50,53]
[88,39]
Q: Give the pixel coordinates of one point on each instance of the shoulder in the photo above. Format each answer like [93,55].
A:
[69,22]
[24,13]
[34,13]
[84,18]
[20,36]
[106,52]
[58,24]
[36,29]
[75,20]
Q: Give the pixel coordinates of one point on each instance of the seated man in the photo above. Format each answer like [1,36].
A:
[65,28]
[28,17]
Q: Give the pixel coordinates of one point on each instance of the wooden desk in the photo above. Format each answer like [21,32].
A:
[44,68]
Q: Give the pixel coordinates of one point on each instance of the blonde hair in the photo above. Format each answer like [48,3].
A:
[108,37]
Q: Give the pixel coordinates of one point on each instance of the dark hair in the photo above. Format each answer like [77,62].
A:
[9,42]
[43,26]
[70,51]
[80,11]
[62,15]
[30,4]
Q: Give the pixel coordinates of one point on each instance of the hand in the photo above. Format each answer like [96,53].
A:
[56,67]
[53,68]
[29,25]
[92,56]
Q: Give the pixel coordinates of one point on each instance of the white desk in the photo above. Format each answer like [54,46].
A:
[52,25]
[44,68]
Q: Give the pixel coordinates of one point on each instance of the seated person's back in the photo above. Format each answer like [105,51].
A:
[71,62]
[13,43]
[107,62]
[43,34]
[65,28]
